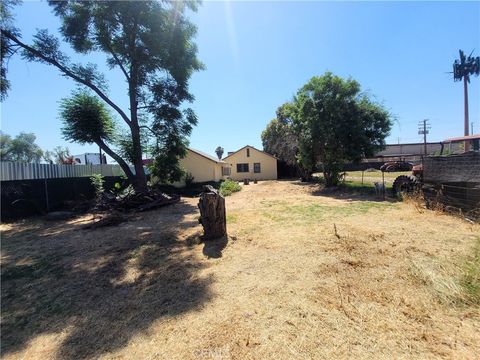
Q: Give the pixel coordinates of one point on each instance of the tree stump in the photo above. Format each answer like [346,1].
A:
[212,213]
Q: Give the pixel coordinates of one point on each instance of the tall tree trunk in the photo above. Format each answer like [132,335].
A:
[126,169]
[140,178]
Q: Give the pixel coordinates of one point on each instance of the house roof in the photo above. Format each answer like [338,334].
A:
[205,155]
[233,153]
[198,152]
[463,138]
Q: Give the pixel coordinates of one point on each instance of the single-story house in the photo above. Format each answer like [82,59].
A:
[246,163]
[251,163]
[203,167]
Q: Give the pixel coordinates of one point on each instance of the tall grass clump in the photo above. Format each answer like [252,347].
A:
[471,279]
[228,187]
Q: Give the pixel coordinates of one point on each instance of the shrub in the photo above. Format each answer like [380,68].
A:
[228,187]
[189,178]
[97,182]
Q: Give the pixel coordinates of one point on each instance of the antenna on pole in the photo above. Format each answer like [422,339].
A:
[462,69]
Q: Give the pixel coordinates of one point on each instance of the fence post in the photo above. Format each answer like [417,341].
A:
[383,181]
[47,202]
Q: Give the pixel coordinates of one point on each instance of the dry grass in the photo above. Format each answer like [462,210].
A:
[369,177]
[389,282]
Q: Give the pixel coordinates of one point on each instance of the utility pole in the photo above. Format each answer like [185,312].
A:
[471,128]
[423,129]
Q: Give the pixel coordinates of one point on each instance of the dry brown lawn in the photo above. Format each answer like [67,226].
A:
[387,283]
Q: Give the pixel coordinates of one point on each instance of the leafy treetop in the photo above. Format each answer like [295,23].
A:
[151,43]
[336,123]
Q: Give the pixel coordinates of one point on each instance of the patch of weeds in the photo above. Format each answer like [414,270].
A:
[471,278]
[452,283]
[317,212]
[232,218]
[270,203]
[440,279]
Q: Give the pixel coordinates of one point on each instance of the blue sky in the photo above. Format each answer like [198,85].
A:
[257,54]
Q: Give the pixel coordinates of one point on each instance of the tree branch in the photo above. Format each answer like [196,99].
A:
[65,70]
[148,128]
[117,60]
[118,159]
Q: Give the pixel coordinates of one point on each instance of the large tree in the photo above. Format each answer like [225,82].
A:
[21,148]
[279,137]
[336,122]
[151,44]
[59,155]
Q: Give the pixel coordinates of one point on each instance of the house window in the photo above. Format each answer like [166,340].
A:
[256,168]
[225,170]
[248,152]
[242,168]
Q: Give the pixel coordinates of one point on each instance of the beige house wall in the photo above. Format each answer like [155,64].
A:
[201,168]
[268,164]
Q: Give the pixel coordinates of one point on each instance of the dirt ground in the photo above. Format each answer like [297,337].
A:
[305,275]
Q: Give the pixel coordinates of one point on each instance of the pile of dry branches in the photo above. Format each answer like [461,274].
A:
[130,200]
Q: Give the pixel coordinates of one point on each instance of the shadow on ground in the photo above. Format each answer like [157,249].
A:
[348,192]
[103,286]
[214,248]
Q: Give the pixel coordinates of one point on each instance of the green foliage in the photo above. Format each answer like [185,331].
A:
[228,187]
[59,155]
[189,178]
[86,120]
[279,138]
[335,123]
[6,48]
[152,45]
[166,167]
[97,181]
[125,147]
[21,148]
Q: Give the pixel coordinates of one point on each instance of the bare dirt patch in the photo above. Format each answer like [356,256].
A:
[387,283]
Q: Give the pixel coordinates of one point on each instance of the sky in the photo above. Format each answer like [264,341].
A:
[259,53]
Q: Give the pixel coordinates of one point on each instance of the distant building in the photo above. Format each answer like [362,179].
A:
[411,149]
[90,159]
[413,152]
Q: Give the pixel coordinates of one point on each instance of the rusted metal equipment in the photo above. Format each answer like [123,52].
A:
[392,166]
[409,183]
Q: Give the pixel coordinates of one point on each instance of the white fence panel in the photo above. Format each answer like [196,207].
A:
[22,171]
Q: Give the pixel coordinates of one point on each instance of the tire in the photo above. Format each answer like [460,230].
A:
[404,184]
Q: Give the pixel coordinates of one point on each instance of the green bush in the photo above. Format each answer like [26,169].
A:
[228,187]
[97,181]
[189,179]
